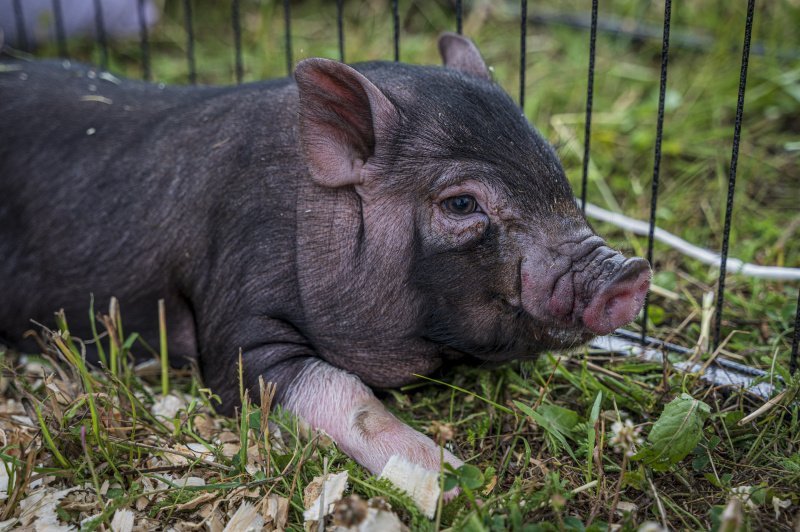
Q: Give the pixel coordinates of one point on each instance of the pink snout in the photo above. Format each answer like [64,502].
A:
[619,302]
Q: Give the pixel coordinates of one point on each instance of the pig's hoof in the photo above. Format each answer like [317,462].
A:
[421,484]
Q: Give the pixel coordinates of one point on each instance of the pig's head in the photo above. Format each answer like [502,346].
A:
[454,182]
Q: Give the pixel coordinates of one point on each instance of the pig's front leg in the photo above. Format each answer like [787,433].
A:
[339,403]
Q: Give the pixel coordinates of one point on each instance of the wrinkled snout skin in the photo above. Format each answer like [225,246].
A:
[345,229]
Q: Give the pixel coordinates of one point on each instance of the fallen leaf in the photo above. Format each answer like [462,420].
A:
[205,426]
[39,509]
[327,490]
[212,518]
[122,521]
[275,510]
[167,406]
[246,519]
[624,507]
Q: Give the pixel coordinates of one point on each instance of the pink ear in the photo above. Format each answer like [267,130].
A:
[461,53]
[340,113]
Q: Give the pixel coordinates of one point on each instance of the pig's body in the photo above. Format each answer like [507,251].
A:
[348,229]
[190,194]
[140,210]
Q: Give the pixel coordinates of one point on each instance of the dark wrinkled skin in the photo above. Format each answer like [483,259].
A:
[220,202]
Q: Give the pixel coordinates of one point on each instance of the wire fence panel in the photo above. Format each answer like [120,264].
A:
[662,92]
[587,128]
[61,37]
[796,339]
[396,29]
[26,41]
[144,41]
[287,25]
[100,28]
[523,47]
[340,27]
[737,133]
[237,40]
[189,27]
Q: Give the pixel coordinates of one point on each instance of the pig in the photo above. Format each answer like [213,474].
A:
[346,229]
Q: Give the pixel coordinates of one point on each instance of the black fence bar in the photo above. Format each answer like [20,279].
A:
[100,29]
[662,91]
[287,33]
[459,17]
[144,42]
[523,34]
[340,27]
[19,21]
[236,21]
[58,22]
[587,130]
[737,132]
[189,26]
[796,339]
[396,24]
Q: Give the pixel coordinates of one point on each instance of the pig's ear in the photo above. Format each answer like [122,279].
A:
[461,53]
[341,114]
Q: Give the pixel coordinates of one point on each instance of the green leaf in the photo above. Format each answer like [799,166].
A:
[474,524]
[554,424]
[254,420]
[713,480]
[700,462]
[470,476]
[591,435]
[677,431]
[573,523]
[450,481]
[562,419]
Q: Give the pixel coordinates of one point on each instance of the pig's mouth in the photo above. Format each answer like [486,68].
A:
[577,306]
[513,335]
[555,298]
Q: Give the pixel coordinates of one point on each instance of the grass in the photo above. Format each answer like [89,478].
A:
[542,435]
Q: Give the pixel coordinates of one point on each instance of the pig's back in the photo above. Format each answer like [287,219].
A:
[106,186]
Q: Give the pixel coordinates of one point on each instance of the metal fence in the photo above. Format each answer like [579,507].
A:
[643,338]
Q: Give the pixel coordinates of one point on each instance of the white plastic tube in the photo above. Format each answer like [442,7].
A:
[705,256]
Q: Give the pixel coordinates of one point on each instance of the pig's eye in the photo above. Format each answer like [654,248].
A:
[461,205]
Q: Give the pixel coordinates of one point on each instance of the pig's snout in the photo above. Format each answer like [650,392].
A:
[620,299]
[600,291]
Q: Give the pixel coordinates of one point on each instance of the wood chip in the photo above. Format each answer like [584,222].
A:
[246,519]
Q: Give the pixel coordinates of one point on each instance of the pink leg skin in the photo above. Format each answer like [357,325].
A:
[339,403]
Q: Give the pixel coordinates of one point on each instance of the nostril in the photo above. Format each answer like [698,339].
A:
[619,303]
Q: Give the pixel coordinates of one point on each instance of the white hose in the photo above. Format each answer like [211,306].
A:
[703,255]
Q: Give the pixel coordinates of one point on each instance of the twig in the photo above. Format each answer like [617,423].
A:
[188,456]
